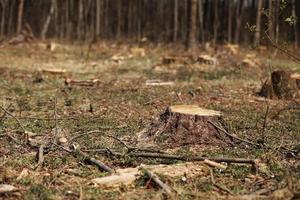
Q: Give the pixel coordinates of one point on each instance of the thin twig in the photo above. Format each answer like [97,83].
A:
[155,178]
[285,51]
[129,148]
[93,161]
[17,120]
[4,114]
[55,118]
[40,156]
[218,185]
[232,136]
[191,158]
[265,123]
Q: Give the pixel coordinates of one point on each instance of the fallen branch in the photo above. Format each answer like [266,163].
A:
[4,114]
[90,160]
[17,120]
[156,180]
[232,136]
[221,187]
[174,157]
[191,158]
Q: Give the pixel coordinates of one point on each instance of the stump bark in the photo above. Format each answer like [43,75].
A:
[281,85]
[185,124]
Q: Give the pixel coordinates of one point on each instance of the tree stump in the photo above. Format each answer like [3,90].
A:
[184,125]
[282,85]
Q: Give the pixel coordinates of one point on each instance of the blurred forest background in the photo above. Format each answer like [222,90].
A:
[186,21]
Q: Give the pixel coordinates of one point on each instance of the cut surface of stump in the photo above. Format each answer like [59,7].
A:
[281,85]
[185,125]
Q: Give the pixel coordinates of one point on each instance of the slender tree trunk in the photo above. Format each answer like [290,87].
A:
[10,25]
[119,28]
[295,24]
[229,33]
[216,22]
[20,16]
[139,20]
[192,32]
[3,13]
[80,20]
[277,20]
[48,19]
[258,22]
[239,15]
[201,21]
[98,18]
[271,20]
[277,10]
[175,31]
[106,19]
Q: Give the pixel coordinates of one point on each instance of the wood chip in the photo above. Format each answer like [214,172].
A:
[214,164]
[5,188]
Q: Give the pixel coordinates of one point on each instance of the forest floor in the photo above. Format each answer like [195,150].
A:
[39,106]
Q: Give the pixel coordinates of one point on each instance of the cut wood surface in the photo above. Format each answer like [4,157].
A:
[127,176]
[193,110]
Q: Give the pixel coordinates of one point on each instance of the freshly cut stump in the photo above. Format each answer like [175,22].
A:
[183,125]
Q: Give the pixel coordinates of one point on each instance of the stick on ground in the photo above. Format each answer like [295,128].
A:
[93,161]
[156,180]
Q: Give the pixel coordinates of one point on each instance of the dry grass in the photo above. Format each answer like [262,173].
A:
[121,104]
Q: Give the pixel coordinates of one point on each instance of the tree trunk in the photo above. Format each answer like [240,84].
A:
[119,28]
[277,22]
[47,22]
[98,18]
[201,21]
[295,25]
[175,21]
[216,22]
[229,33]
[192,32]
[258,22]
[2,26]
[80,20]
[10,25]
[271,20]
[239,15]
[20,16]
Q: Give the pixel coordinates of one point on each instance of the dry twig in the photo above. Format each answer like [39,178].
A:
[17,120]
[90,160]
[232,136]
[155,178]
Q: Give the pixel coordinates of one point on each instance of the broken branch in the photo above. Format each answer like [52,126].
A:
[156,180]
[93,161]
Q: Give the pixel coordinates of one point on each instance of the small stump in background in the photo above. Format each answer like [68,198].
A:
[185,125]
[281,85]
